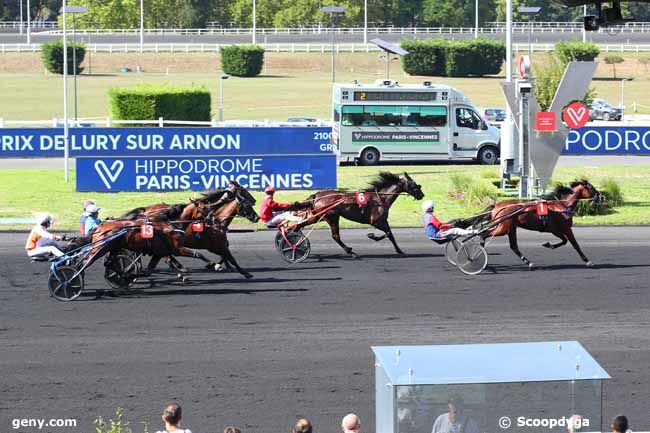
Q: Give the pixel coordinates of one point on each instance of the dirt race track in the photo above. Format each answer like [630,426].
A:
[295,340]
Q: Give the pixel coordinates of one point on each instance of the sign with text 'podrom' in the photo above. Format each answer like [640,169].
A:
[606,140]
[203,173]
[85,142]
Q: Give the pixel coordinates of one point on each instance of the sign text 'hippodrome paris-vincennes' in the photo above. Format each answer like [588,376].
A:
[50,142]
[202,173]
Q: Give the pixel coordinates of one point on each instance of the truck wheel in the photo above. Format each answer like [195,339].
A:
[369,156]
[488,155]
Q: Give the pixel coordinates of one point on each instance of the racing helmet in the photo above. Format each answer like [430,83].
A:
[92,208]
[46,219]
[427,205]
[269,189]
[88,203]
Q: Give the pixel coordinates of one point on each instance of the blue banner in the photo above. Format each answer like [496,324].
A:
[202,173]
[606,140]
[49,142]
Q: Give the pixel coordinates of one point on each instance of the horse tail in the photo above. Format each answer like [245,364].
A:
[307,204]
[133,214]
[485,216]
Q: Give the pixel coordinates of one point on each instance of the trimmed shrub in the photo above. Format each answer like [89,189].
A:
[425,57]
[576,51]
[52,56]
[242,60]
[150,102]
[438,57]
[614,59]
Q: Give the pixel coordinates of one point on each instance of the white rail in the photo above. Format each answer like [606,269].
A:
[160,123]
[284,48]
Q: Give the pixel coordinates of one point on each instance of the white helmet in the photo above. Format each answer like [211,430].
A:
[427,205]
[46,219]
[92,208]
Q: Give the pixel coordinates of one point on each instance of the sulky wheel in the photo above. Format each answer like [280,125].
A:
[65,283]
[121,270]
[451,250]
[294,247]
[471,258]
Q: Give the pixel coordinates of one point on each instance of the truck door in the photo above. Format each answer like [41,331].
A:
[466,131]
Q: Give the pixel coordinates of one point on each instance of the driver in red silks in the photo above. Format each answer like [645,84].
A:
[274,213]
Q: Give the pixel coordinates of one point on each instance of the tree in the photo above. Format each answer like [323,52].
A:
[106,14]
[613,59]
[457,13]
[645,61]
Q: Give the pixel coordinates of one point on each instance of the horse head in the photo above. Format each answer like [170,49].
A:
[411,187]
[587,191]
[246,203]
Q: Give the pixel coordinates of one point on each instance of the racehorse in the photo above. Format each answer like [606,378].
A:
[369,206]
[507,215]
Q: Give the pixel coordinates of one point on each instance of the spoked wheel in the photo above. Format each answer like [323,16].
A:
[122,269]
[66,283]
[471,258]
[451,250]
[294,247]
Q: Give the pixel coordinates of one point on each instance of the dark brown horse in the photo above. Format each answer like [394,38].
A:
[331,205]
[510,214]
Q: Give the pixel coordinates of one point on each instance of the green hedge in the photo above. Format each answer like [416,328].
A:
[438,57]
[52,56]
[150,102]
[576,51]
[242,60]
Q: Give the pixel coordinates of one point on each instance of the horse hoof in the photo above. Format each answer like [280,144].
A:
[401,253]
[183,270]
[248,276]
[211,265]
[185,280]
[218,267]
[547,245]
[531,266]
[590,264]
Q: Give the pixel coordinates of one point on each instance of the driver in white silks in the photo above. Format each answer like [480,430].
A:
[273,213]
[40,241]
[436,229]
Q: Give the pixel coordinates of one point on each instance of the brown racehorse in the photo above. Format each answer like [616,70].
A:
[331,205]
[510,214]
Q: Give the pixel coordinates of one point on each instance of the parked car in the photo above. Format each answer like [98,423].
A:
[603,110]
[494,116]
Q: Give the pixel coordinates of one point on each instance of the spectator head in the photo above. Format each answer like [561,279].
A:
[455,405]
[351,423]
[302,426]
[231,429]
[619,425]
[172,414]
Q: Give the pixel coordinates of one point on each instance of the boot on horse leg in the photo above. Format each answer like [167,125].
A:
[512,238]
[333,222]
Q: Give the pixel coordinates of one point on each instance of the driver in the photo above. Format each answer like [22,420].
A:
[273,213]
[40,241]
[436,229]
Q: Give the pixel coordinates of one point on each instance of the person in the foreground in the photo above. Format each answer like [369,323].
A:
[454,421]
[40,241]
[172,416]
[436,229]
[273,213]
[619,425]
[351,423]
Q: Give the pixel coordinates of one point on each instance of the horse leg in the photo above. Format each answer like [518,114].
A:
[574,243]
[176,265]
[383,225]
[229,258]
[333,221]
[151,266]
[512,238]
[376,238]
[563,241]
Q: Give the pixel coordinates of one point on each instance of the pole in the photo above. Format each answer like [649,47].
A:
[254,19]
[221,99]
[530,35]
[66,144]
[333,54]
[29,25]
[74,62]
[508,159]
[365,21]
[476,20]
[584,31]
[622,98]
[21,16]
[141,26]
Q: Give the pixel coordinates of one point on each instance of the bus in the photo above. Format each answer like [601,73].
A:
[392,121]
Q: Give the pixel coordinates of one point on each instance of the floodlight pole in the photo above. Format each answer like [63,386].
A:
[333,54]
[254,19]
[29,25]
[141,26]
[584,30]
[21,16]
[74,62]
[66,143]
[365,21]
[476,20]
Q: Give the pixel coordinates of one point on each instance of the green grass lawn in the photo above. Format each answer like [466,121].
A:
[26,193]
[277,97]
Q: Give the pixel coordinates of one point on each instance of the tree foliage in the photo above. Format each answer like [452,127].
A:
[613,59]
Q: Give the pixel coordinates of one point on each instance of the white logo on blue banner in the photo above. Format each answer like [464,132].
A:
[109,175]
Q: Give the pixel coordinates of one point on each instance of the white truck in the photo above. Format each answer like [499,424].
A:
[392,121]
